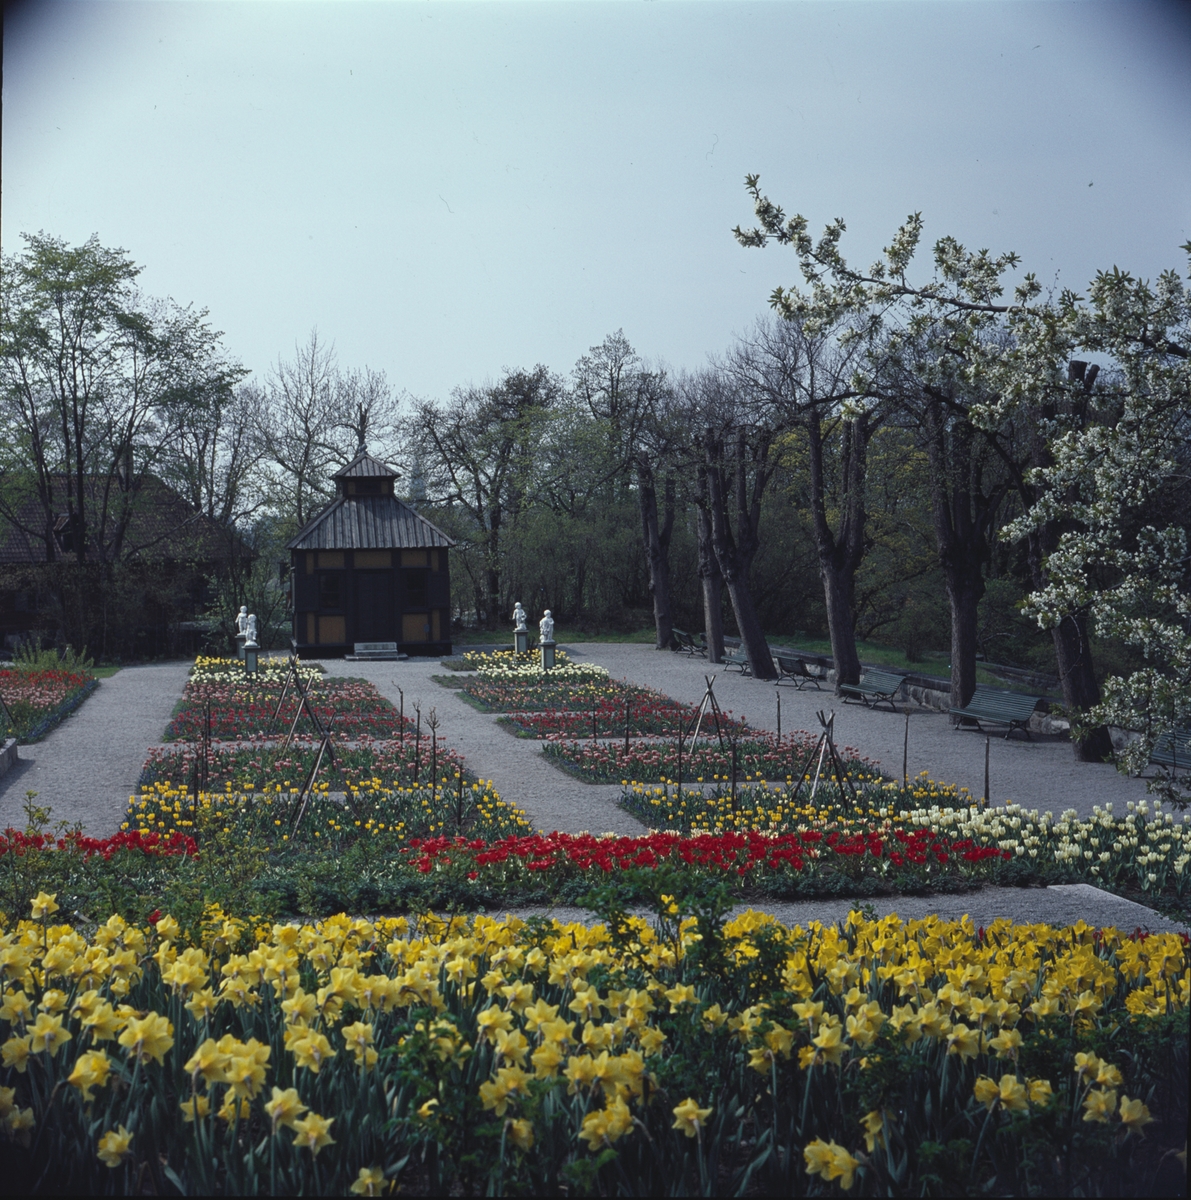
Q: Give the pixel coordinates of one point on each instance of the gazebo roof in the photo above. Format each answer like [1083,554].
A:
[369,523]
[364,466]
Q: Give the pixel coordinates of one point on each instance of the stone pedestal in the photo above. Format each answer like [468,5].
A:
[249,655]
[521,641]
[547,649]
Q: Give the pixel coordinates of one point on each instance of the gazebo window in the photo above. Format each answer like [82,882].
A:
[417,589]
[330,589]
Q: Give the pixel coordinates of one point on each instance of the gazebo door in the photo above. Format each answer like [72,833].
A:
[376,610]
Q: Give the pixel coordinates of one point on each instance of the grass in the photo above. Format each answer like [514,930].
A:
[103,672]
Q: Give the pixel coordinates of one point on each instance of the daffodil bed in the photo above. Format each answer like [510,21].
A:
[759,756]
[506,1057]
[639,711]
[36,700]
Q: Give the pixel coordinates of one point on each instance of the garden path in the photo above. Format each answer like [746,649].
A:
[88,766]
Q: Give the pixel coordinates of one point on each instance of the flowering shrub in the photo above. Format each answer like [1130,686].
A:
[759,756]
[38,699]
[499,1057]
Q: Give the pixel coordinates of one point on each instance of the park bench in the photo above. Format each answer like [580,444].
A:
[681,640]
[367,651]
[874,687]
[734,656]
[793,668]
[999,708]
[1173,749]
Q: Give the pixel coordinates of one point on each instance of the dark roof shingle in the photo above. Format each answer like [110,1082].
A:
[369,523]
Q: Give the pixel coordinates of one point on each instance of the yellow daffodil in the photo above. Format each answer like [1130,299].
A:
[369,1182]
[689,1118]
[114,1147]
[91,1070]
[313,1132]
[831,1161]
[1134,1115]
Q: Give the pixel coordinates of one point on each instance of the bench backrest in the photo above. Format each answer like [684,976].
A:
[1173,746]
[881,681]
[1004,704]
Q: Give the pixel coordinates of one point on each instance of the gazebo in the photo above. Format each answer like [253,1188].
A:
[368,569]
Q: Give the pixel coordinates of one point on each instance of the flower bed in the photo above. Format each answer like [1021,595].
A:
[814,860]
[497,1057]
[645,713]
[760,756]
[507,696]
[245,709]
[264,766]
[385,816]
[511,667]
[39,699]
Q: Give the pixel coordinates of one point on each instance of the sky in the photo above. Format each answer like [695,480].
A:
[447,190]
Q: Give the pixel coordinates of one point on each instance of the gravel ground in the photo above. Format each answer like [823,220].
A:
[88,767]
[1060,904]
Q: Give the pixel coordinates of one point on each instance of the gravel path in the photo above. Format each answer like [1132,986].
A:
[88,767]
[1060,904]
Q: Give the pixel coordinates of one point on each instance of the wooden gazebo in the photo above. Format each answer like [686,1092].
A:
[370,569]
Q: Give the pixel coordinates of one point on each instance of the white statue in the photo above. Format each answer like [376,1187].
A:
[250,631]
[519,615]
[242,621]
[546,627]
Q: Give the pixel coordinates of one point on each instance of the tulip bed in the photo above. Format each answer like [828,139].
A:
[264,765]
[37,699]
[494,695]
[758,756]
[245,709]
[496,1057]
[638,711]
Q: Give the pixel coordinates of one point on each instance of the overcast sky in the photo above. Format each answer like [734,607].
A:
[446,189]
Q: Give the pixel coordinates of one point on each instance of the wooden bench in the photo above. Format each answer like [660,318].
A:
[734,656]
[795,669]
[1173,750]
[681,640]
[874,687]
[999,708]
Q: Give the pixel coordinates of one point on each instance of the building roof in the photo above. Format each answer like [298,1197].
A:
[365,466]
[162,525]
[369,523]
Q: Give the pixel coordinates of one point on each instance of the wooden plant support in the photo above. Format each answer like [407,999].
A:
[824,747]
[708,704]
[324,751]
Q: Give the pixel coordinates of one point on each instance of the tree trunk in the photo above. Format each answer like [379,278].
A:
[657,548]
[734,558]
[1073,656]
[838,595]
[964,595]
[709,574]
[840,557]
[1080,689]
